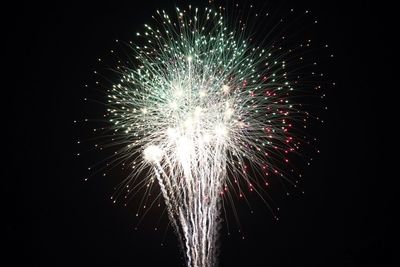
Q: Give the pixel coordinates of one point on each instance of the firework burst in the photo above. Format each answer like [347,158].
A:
[200,109]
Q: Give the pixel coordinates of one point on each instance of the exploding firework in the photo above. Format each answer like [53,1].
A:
[202,107]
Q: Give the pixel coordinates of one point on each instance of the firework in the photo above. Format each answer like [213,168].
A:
[203,106]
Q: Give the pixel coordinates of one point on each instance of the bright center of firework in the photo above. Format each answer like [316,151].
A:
[152,154]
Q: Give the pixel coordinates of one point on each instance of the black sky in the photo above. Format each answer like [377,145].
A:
[55,219]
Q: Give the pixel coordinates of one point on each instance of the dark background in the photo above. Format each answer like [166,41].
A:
[55,219]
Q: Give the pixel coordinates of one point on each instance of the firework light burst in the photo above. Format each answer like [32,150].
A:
[203,108]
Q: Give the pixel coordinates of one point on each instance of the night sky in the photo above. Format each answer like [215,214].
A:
[57,219]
